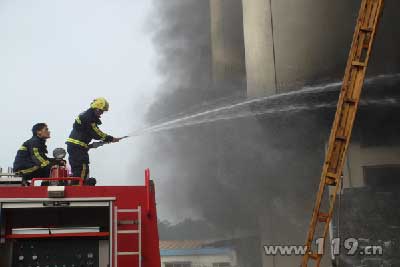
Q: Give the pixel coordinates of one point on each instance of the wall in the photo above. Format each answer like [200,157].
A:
[358,157]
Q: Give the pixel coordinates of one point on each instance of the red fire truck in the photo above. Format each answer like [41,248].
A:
[65,225]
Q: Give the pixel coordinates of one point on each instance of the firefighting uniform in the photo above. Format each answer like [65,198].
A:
[31,160]
[85,129]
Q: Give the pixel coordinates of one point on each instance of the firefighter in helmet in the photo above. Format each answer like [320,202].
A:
[85,129]
[31,160]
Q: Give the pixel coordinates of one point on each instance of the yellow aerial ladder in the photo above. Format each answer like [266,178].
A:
[339,139]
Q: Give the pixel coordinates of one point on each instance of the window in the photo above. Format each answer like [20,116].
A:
[382,176]
[377,128]
[178,264]
[221,264]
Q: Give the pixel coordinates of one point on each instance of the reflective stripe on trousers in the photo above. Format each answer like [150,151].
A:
[77,142]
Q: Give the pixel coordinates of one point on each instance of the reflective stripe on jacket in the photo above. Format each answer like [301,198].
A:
[85,129]
[31,155]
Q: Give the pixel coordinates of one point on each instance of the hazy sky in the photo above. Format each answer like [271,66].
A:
[56,56]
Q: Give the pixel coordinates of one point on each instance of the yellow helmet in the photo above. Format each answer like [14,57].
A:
[100,103]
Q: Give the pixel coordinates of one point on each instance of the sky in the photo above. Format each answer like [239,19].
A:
[57,56]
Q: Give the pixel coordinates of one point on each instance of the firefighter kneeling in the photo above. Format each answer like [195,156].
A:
[31,160]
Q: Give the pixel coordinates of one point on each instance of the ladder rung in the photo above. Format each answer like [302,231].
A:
[341,138]
[128,210]
[366,29]
[314,256]
[128,231]
[128,222]
[330,181]
[350,101]
[323,217]
[127,253]
[358,64]
[332,175]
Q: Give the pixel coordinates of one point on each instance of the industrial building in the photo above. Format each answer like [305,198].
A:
[267,166]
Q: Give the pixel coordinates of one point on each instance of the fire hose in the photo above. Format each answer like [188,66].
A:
[95,145]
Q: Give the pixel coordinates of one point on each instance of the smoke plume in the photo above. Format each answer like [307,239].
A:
[247,174]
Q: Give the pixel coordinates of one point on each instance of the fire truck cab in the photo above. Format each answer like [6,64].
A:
[77,226]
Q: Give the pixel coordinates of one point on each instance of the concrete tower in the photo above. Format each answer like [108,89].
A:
[311,40]
[227,45]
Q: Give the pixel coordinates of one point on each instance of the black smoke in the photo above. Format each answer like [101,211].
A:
[255,175]
[230,173]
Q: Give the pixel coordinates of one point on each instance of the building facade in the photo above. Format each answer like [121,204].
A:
[261,172]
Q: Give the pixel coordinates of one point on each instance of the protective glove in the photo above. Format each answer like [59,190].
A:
[96,144]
